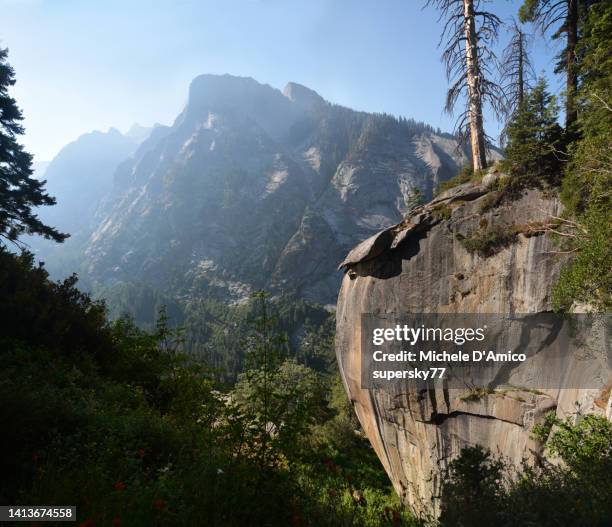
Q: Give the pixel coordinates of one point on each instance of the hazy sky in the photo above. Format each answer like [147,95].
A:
[90,64]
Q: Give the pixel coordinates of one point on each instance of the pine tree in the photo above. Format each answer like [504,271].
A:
[562,18]
[19,191]
[516,72]
[535,147]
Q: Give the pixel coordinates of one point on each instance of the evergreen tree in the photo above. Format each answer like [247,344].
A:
[516,72]
[562,18]
[587,230]
[535,147]
[19,191]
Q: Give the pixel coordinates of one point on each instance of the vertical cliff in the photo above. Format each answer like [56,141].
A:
[425,265]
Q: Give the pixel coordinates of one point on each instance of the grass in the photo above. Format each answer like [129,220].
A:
[441,211]
[476,394]
[465,175]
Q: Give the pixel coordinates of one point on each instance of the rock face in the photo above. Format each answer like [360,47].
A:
[256,188]
[421,266]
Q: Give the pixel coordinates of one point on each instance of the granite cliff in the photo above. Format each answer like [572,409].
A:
[423,265]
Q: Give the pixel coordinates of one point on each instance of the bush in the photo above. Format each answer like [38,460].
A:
[119,422]
[442,211]
[489,240]
[481,489]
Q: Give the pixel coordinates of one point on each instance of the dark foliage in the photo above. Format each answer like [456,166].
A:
[586,229]
[482,489]
[560,18]
[121,423]
[536,151]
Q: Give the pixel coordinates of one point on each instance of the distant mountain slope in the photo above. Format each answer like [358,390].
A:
[78,177]
[256,188]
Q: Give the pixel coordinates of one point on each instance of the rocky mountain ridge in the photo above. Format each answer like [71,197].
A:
[254,188]
[79,177]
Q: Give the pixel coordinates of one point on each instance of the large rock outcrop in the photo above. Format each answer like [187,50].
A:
[421,265]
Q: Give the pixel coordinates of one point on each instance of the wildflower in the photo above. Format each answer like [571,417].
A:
[141,453]
[159,504]
[330,465]
[119,485]
[116,521]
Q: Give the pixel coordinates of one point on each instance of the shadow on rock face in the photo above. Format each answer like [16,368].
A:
[389,264]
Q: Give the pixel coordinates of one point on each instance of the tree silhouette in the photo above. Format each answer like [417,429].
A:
[19,191]
[516,72]
[561,17]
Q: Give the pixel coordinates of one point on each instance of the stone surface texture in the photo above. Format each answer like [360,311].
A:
[420,266]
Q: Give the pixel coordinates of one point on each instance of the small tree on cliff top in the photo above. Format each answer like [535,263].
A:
[534,148]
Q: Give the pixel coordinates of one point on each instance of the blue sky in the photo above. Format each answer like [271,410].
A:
[83,65]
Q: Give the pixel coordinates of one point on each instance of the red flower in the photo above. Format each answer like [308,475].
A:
[119,485]
[116,521]
[159,504]
[141,453]
[35,457]
[330,465]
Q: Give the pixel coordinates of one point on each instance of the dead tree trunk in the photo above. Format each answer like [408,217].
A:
[520,69]
[477,135]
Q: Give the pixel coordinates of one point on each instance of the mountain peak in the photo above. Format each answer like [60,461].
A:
[139,133]
[224,88]
[300,94]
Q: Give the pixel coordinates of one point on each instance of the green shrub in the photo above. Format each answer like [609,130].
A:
[465,175]
[442,211]
[121,423]
[490,240]
[588,278]
[482,489]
